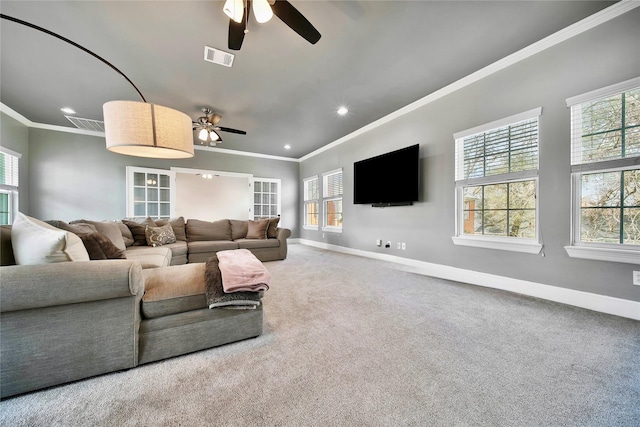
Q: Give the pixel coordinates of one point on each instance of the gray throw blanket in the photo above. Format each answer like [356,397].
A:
[217,298]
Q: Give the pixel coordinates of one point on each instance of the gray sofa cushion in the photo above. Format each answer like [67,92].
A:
[172,290]
[6,250]
[257,243]
[208,231]
[211,246]
[149,257]
[108,228]
[239,228]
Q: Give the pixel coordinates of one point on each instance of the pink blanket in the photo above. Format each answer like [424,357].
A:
[242,271]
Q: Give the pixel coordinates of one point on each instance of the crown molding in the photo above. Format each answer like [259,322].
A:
[558,37]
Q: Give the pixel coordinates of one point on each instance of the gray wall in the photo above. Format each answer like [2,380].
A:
[74,176]
[15,136]
[605,55]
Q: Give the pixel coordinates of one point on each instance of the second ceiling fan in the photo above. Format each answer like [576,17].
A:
[208,128]
[238,13]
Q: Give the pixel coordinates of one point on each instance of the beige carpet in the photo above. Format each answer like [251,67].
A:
[351,341]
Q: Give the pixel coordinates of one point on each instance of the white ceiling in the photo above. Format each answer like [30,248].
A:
[374,56]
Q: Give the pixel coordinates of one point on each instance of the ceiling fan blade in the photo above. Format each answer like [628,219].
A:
[236,34]
[223,129]
[295,20]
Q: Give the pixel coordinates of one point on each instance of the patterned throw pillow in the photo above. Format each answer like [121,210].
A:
[158,236]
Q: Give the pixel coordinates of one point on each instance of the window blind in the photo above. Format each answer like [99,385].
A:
[311,189]
[8,170]
[332,184]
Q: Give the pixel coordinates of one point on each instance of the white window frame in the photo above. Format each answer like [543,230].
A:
[130,170]
[278,182]
[594,250]
[328,198]
[306,202]
[12,189]
[515,244]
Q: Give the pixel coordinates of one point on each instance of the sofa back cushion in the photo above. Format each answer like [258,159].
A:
[272,230]
[257,229]
[198,230]
[138,228]
[108,228]
[239,228]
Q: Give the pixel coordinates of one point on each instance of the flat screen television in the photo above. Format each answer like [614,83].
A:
[391,179]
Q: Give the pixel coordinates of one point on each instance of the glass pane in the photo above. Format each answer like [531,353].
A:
[165,181]
[632,108]
[152,180]
[257,186]
[632,142]
[522,223]
[602,115]
[495,197]
[600,225]
[152,195]
[274,187]
[139,194]
[257,198]
[265,199]
[473,222]
[4,208]
[165,195]
[165,209]
[139,209]
[333,213]
[600,189]
[631,226]
[152,210]
[257,210]
[632,188]
[138,179]
[495,222]
[273,199]
[273,212]
[522,195]
[472,197]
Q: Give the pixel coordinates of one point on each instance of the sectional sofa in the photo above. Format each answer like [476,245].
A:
[65,321]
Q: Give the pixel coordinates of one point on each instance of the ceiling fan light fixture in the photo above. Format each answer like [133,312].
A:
[203,135]
[262,11]
[214,136]
[234,9]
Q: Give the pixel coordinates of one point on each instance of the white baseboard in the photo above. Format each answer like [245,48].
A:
[602,303]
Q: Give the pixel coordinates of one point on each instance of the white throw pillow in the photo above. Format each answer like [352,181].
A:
[36,242]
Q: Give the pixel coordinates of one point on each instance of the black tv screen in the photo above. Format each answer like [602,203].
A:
[391,179]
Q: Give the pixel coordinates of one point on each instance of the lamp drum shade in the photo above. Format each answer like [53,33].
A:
[143,129]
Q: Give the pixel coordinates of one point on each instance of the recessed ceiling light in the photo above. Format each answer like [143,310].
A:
[287,147]
[67,110]
[343,110]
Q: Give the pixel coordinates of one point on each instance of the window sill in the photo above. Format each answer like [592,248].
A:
[512,245]
[627,256]
[311,227]
[332,229]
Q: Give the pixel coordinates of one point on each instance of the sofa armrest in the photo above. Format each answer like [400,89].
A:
[283,233]
[35,286]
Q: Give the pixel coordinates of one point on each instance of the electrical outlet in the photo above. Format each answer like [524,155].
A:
[398,245]
[404,246]
[636,278]
[388,245]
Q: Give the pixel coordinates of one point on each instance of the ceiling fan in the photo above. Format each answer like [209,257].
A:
[238,12]
[208,127]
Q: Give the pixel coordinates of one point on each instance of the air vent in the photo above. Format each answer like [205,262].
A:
[218,56]
[86,124]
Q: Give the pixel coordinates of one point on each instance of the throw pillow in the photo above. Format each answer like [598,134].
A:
[36,242]
[158,236]
[108,228]
[98,245]
[126,234]
[178,226]
[138,230]
[257,229]
[272,230]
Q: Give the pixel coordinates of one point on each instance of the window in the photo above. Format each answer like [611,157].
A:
[150,193]
[8,185]
[332,200]
[605,153]
[497,184]
[311,203]
[266,198]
